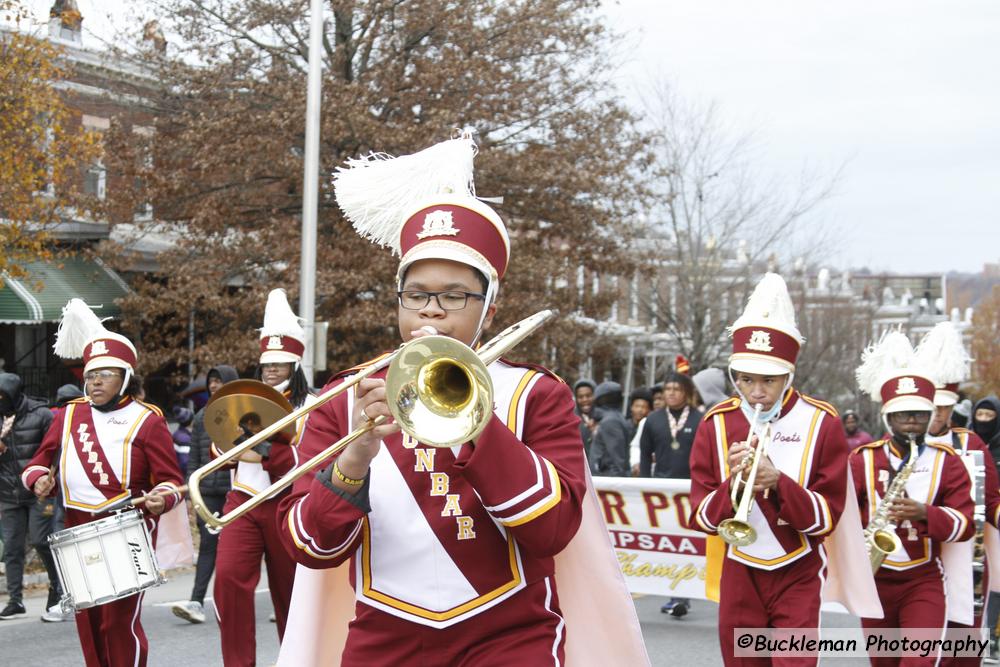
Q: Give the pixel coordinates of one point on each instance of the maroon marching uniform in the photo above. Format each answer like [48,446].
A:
[451,549]
[776,581]
[136,434]
[963,441]
[911,585]
[242,544]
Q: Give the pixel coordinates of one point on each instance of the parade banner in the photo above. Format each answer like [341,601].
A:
[647,519]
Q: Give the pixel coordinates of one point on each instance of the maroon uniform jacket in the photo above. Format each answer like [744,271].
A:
[963,440]
[104,457]
[809,449]
[437,535]
[939,480]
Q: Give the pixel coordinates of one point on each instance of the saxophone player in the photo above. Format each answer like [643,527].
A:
[943,353]
[934,507]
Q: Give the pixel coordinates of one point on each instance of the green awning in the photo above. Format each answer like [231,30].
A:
[40,296]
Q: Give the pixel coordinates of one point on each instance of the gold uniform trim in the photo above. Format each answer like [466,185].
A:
[126,448]
[395,603]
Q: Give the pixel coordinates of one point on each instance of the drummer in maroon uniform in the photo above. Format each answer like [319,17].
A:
[105,448]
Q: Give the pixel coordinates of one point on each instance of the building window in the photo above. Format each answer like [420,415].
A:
[95,181]
[144,140]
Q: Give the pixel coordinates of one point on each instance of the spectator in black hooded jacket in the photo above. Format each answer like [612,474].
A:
[214,488]
[23,518]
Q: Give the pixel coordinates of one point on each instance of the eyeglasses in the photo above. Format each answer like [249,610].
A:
[102,375]
[451,300]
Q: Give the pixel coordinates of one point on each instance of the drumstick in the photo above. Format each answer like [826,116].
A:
[182,489]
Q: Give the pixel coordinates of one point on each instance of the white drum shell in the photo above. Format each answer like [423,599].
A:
[104,560]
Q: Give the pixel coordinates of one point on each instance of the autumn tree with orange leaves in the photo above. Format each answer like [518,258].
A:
[41,147]
[985,336]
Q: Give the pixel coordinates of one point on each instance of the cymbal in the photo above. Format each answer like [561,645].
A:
[249,402]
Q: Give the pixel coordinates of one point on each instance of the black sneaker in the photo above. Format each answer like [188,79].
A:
[680,609]
[13,610]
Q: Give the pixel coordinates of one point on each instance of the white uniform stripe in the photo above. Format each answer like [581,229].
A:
[702,516]
[308,540]
[816,513]
[135,617]
[559,627]
[553,484]
[534,488]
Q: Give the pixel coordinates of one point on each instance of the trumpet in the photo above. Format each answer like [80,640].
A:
[439,392]
[737,530]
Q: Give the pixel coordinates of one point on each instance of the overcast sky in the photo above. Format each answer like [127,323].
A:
[905,94]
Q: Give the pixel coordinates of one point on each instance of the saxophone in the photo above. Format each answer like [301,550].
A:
[880,533]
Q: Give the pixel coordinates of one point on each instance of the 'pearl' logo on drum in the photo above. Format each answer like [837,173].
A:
[136,549]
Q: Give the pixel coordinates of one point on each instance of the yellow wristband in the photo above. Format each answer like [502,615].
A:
[344,478]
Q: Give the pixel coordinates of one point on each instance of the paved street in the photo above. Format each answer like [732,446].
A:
[29,643]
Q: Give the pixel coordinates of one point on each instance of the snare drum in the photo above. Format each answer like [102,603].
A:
[104,560]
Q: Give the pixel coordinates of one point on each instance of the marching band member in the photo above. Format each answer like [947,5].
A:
[943,354]
[255,535]
[104,448]
[933,506]
[451,550]
[801,484]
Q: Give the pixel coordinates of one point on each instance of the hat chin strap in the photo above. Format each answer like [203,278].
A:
[487,302]
[746,407]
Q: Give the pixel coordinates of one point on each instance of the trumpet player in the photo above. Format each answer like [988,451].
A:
[913,491]
[774,568]
[454,552]
[942,352]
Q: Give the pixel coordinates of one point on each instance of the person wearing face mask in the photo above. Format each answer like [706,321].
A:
[801,483]
[256,534]
[933,514]
[24,520]
[986,425]
[104,449]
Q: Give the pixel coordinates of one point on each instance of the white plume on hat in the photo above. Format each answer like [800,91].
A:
[890,357]
[769,305]
[377,191]
[942,352]
[279,319]
[78,326]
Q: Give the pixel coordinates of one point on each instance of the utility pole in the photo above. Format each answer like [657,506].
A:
[310,187]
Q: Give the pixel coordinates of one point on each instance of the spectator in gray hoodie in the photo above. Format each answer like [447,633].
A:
[609,449]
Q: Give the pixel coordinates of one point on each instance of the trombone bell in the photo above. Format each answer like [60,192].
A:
[439,391]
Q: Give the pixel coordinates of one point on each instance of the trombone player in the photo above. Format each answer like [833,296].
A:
[776,518]
[451,548]
[932,511]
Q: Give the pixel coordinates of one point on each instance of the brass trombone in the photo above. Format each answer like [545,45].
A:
[737,530]
[439,392]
